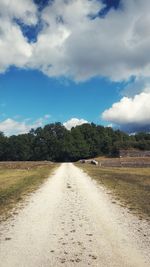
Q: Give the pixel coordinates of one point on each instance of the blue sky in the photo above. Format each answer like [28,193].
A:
[76,61]
[30,94]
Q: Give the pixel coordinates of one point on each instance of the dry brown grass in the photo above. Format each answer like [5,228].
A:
[129,186]
[124,162]
[17,179]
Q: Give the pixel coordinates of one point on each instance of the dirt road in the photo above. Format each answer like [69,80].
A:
[71,221]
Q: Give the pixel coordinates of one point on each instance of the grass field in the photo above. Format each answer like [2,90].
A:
[123,162]
[129,186]
[17,179]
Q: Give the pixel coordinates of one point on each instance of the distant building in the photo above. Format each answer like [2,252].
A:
[134,153]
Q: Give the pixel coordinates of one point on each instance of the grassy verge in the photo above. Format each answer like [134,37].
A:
[17,179]
[129,186]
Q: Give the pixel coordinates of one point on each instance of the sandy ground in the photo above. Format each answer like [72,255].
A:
[71,221]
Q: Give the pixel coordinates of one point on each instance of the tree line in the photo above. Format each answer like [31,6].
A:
[54,142]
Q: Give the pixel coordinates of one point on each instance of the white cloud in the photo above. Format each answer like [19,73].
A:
[130,111]
[74,45]
[73,123]
[13,127]
[25,10]
[10,127]
[14,47]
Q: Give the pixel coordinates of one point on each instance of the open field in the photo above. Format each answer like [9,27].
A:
[124,162]
[17,179]
[71,221]
[129,186]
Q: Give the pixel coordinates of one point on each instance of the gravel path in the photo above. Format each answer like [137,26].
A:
[71,221]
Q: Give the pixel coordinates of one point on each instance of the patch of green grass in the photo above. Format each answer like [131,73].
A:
[19,179]
[129,186]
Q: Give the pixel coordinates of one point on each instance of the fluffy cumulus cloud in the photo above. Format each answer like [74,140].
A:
[74,122]
[26,11]
[14,48]
[74,41]
[131,113]
[77,46]
[14,126]
[11,126]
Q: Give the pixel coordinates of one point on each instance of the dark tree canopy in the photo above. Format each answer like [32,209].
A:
[55,143]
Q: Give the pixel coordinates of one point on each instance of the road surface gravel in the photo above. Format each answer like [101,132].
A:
[72,221]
